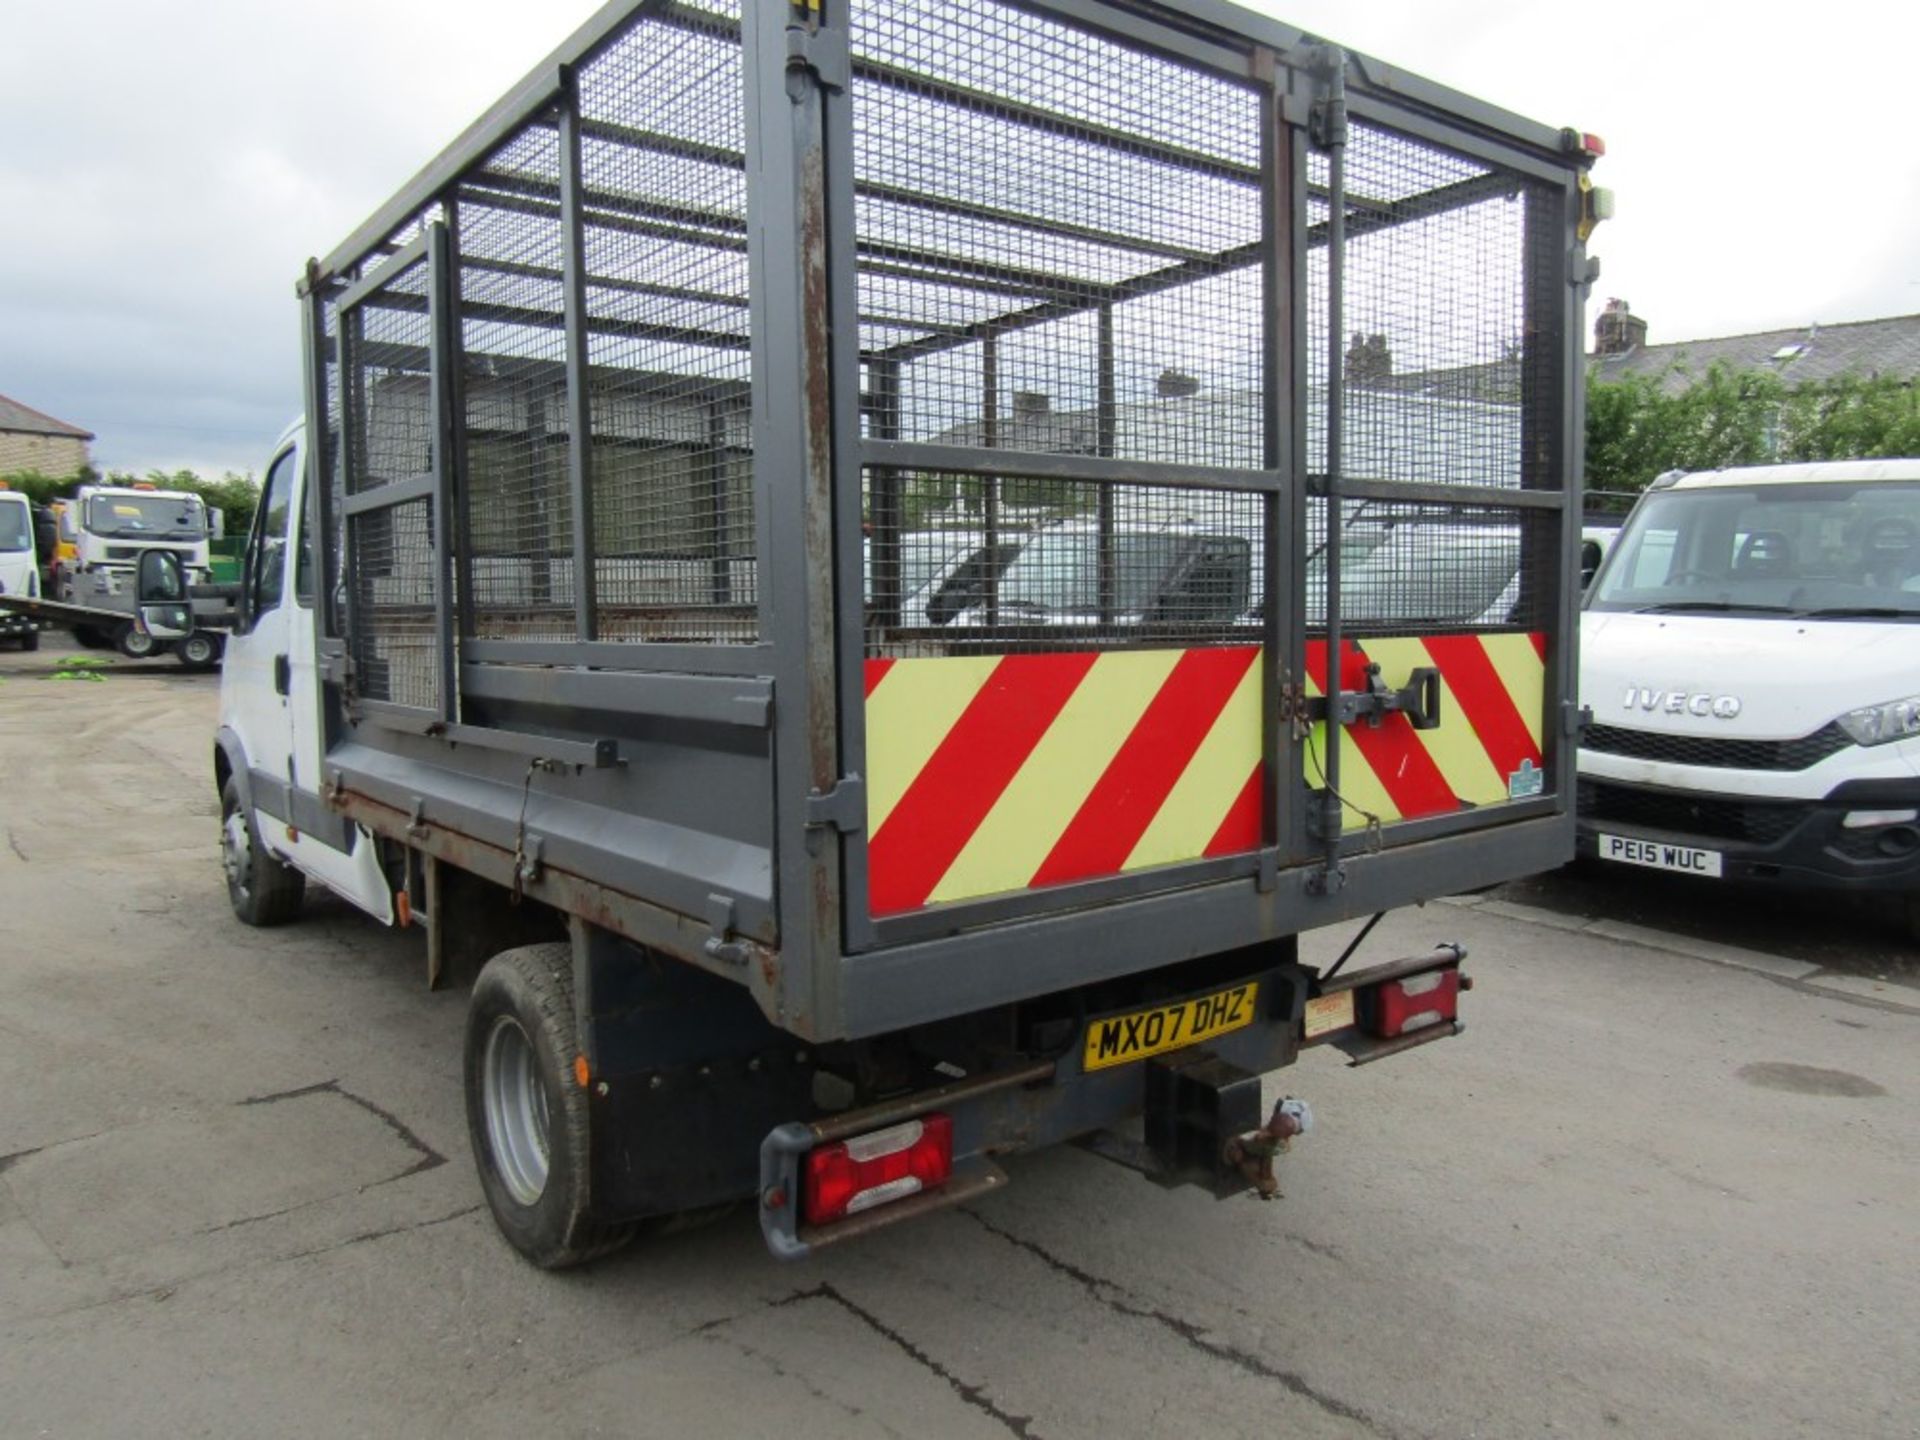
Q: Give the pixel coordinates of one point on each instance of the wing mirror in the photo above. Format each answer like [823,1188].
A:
[166,612]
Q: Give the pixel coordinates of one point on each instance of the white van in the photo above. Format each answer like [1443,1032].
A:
[19,567]
[1751,653]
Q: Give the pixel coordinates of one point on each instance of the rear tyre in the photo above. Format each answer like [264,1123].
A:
[93,637]
[134,642]
[198,651]
[263,890]
[30,640]
[526,1112]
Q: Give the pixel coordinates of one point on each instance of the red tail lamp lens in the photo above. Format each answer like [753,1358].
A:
[853,1175]
[1402,1006]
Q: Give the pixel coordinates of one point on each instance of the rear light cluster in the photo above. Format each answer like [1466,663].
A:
[849,1176]
[1399,1007]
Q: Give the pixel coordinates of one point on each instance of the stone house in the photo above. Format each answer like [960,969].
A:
[32,441]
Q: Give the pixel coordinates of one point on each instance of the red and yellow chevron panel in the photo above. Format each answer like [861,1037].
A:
[990,774]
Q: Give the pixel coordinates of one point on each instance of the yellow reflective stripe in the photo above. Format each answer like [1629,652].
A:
[1524,674]
[909,713]
[1190,816]
[1455,747]
[1054,782]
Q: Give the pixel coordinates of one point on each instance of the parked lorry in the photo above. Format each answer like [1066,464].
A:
[19,566]
[1752,658]
[576,623]
[105,529]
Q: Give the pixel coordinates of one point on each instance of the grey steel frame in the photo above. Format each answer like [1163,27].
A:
[827,968]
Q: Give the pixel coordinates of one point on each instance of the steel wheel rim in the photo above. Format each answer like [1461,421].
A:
[236,850]
[516,1105]
[139,644]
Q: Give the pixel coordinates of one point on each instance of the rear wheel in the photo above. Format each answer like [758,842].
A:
[263,890]
[135,642]
[526,1111]
[198,651]
[30,640]
[93,637]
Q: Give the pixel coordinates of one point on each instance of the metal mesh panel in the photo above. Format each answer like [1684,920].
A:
[388,427]
[663,140]
[396,635]
[1442,361]
[1431,566]
[1018,563]
[518,511]
[390,437]
[1059,237]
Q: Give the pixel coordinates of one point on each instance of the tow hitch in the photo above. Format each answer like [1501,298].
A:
[1203,1127]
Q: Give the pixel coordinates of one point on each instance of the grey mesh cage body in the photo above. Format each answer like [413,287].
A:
[751,358]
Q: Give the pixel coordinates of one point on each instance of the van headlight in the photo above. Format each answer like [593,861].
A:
[1879,724]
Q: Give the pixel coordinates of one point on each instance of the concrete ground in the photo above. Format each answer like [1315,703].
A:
[1651,1192]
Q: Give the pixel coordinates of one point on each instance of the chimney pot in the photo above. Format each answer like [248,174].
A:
[1617,330]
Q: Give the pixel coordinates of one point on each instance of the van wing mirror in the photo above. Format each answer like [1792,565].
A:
[166,611]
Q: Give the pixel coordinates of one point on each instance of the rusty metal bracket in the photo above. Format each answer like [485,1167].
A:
[720,944]
[843,808]
[821,52]
[526,861]
[1296,707]
[1330,881]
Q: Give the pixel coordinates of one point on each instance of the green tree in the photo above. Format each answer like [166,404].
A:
[40,489]
[1637,427]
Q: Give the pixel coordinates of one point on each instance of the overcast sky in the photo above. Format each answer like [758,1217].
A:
[168,167]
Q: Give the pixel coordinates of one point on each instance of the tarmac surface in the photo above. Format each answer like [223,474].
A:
[1667,1184]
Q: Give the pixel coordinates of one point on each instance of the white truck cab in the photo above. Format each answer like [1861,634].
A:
[1750,650]
[19,567]
[112,524]
[276,831]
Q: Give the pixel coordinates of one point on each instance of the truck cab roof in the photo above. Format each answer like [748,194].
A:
[1836,472]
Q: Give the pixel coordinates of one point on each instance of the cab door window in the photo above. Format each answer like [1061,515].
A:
[267,566]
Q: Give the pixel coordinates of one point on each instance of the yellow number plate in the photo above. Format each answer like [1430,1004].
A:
[1122,1039]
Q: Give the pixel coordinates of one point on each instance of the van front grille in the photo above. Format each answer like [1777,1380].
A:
[1715,751]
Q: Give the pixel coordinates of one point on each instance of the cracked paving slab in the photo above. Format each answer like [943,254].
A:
[140,1186]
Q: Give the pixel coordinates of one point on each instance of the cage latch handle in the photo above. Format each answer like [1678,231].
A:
[1418,699]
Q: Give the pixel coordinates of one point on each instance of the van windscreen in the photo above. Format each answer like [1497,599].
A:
[1814,551]
[16,526]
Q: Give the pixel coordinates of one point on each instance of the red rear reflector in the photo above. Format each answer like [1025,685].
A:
[854,1175]
[1593,145]
[1399,1007]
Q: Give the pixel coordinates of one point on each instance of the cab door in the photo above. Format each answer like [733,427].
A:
[272,687]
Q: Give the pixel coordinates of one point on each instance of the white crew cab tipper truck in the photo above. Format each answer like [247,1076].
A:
[578,621]
[1751,653]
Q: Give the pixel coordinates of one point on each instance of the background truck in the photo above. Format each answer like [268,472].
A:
[108,528]
[578,621]
[19,567]
[1752,659]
